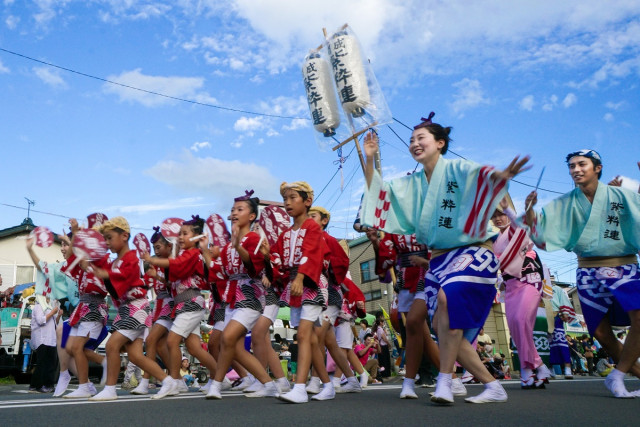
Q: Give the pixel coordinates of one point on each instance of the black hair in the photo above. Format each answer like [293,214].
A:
[368,335]
[196,223]
[365,322]
[439,133]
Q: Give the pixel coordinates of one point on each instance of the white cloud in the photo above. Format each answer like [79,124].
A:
[569,100]
[12,22]
[608,117]
[527,103]
[550,103]
[231,177]
[249,124]
[50,77]
[630,183]
[178,87]
[297,124]
[197,146]
[469,95]
[3,68]
[141,209]
[615,105]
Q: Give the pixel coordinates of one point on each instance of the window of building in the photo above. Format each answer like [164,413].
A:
[367,271]
[373,295]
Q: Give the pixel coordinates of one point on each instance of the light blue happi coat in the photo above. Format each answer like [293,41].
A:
[450,211]
[62,286]
[609,227]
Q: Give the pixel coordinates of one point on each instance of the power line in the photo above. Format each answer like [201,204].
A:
[204,104]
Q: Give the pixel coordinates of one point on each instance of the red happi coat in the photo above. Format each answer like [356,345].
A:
[391,248]
[187,272]
[352,295]
[338,269]
[164,301]
[310,257]
[128,292]
[90,289]
[242,288]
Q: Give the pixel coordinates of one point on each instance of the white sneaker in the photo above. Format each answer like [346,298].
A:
[182,386]
[83,392]
[364,379]
[328,392]
[296,395]
[443,394]
[615,384]
[63,383]
[283,385]
[457,388]
[268,390]
[214,391]
[352,386]
[226,384]
[205,388]
[314,386]
[493,393]
[255,386]
[245,382]
[107,393]
[142,389]
[168,387]
[635,393]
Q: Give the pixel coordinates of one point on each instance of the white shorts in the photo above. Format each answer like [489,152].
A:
[306,312]
[164,323]
[344,335]
[187,323]
[87,329]
[247,317]
[228,314]
[134,334]
[219,325]
[271,312]
[405,299]
[330,314]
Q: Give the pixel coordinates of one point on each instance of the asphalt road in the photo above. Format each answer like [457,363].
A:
[583,401]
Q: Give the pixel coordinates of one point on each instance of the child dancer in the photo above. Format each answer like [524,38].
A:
[447,206]
[242,265]
[522,272]
[87,322]
[129,293]
[188,274]
[156,341]
[298,259]
[336,273]
[563,312]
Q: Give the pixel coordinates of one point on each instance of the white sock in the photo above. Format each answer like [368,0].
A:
[86,385]
[409,382]
[110,388]
[617,374]
[336,382]
[493,384]
[144,382]
[327,385]
[65,373]
[445,376]
[299,388]
[525,374]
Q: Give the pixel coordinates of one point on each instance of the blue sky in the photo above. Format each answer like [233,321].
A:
[542,78]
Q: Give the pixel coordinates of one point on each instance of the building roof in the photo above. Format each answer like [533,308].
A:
[27,225]
[360,240]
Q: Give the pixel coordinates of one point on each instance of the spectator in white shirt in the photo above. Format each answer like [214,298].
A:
[43,342]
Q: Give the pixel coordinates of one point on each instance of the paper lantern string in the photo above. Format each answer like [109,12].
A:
[340,162]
